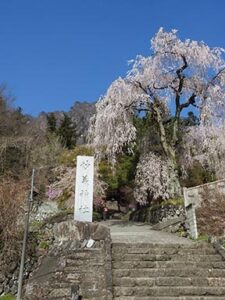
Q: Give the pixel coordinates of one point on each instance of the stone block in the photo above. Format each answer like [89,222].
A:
[167,223]
[65,231]
[59,293]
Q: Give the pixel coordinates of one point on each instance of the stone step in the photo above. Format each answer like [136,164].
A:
[85,258]
[167,264]
[194,245]
[170,298]
[147,271]
[94,291]
[85,254]
[169,291]
[168,272]
[169,281]
[161,251]
[164,257]
[88,270]
[79,262]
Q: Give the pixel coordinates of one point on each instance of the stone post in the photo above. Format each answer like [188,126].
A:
[84,189]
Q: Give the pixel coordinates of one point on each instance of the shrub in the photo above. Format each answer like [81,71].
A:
[122,174]
[68,157]
[44,245]
[46,152]
[197,175]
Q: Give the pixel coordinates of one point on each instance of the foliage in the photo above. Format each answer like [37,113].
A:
[47,152]
[148,139]
[167,202]
[196,174]
[51,123]
[97,217]
[14,155]
[69,157]
[67,132]
[35,225]
[15,139]
[173,201]
[19,155]
[12,121]
[44,245]
[203,237]
[119,179]
[23,144]
[64,129]
[123,173]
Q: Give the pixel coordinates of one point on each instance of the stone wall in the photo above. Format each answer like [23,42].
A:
[70,264]
[203,204]
[154,215]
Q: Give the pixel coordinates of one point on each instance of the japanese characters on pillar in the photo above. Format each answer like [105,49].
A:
[84,189]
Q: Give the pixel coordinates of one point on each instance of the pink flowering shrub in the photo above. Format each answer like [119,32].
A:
[53,193]
[99,202]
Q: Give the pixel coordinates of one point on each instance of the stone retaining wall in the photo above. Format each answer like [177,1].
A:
[158,214]
[70,264]
[199,202]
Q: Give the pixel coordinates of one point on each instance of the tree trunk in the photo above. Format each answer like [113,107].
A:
[175,187]
[170,154]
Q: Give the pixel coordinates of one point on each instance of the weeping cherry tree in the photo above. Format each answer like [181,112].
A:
[178,76]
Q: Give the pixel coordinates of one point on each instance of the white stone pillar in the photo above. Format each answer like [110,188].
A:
[83,210]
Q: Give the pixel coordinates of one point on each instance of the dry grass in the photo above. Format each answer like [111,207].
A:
[12,202]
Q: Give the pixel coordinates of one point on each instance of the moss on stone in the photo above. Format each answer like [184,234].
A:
[203,237]
[44,245]
[173,202]
[36,225]
[7,297]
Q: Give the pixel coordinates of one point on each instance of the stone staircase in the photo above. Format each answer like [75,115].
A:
[150,271]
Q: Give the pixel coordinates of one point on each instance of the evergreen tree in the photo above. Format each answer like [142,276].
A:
[51,122]
[67,132]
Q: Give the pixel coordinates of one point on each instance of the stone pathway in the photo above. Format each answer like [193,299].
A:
[132,232]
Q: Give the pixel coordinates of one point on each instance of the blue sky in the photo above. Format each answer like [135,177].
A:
[54,52]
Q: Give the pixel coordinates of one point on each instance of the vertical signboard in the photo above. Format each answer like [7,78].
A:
[84,189]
